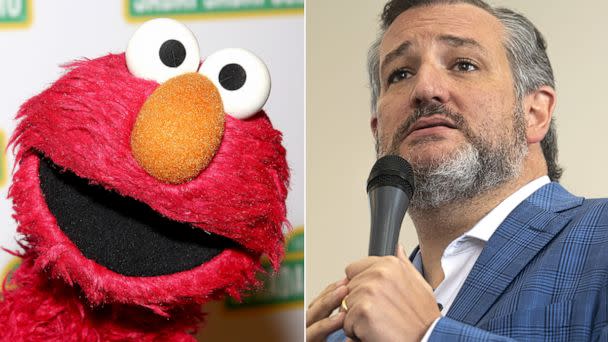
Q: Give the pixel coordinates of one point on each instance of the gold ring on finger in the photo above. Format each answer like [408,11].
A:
[343,305]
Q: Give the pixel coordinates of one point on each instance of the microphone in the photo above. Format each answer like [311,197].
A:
[390,186]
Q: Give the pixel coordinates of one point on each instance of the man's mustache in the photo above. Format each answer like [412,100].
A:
[424,110]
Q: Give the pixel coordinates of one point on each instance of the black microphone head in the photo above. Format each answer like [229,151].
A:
[392,170]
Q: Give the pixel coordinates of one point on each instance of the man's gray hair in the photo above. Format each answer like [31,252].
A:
[526,51]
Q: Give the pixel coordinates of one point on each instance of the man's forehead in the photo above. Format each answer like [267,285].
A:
[436,21]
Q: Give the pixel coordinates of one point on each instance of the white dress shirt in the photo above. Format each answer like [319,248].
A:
[461,254]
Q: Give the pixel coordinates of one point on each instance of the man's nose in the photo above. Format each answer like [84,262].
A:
[430,86]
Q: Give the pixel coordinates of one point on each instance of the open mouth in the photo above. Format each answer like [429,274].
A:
[123,234]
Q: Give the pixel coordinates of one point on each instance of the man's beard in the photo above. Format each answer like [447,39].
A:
[476,167]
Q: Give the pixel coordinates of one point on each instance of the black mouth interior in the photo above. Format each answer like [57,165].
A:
[120,233]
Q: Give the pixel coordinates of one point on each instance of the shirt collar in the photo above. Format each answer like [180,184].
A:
[484,229]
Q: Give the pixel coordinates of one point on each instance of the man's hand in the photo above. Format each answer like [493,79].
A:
[318,322]
[388,300]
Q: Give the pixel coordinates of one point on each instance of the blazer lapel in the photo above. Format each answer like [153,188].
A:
[516,241]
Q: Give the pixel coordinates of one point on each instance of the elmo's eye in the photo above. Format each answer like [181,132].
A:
[241,78]
[162,48]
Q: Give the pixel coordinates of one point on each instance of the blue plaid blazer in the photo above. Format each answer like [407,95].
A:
[542,276]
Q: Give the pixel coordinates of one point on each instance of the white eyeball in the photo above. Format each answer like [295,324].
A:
[241,78]
[162,48]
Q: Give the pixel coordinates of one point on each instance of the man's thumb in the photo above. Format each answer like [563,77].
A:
[401,254]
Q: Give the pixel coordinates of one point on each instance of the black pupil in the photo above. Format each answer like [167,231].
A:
[172,53]
[232,76]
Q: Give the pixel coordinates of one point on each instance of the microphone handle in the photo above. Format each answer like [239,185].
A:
[387,206]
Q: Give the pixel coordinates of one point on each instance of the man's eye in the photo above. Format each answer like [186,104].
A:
[398,75]
[465,66]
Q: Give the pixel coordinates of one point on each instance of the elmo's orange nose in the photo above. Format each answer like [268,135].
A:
[179,128]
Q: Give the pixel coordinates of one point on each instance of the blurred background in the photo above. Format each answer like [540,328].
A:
[38,36]
[340,147]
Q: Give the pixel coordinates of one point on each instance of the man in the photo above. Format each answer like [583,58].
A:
[465,92]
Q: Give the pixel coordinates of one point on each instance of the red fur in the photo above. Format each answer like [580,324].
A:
[39,309]
[83,123]
[231,271]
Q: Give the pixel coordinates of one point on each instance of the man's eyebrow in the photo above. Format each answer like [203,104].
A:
[451,40]
[395,53]
[456,41]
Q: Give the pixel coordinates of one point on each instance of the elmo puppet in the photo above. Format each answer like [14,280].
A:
[147,184]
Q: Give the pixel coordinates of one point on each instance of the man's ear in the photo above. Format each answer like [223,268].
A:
[538,107]
[373,123]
